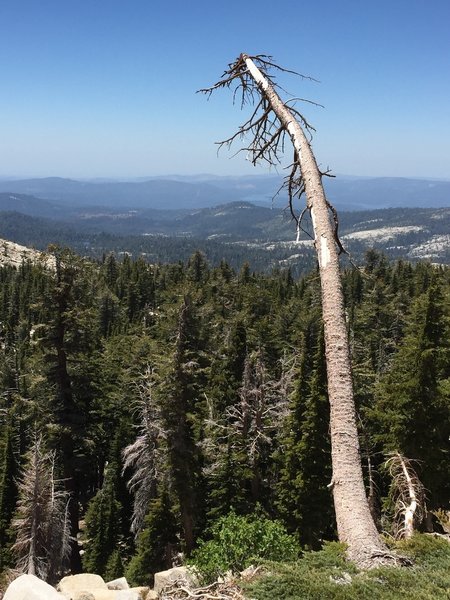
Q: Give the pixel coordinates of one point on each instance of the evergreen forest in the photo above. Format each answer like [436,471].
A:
[142,403]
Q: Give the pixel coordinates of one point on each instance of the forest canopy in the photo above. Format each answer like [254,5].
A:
[212,383]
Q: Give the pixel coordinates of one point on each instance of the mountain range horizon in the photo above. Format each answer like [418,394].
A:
[199,176]
[203,190]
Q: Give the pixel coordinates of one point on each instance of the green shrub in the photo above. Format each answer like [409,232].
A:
[239,541]
[425,549]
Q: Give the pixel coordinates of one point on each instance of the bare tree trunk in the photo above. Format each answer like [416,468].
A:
[354,521]
[412,506]
[355,524]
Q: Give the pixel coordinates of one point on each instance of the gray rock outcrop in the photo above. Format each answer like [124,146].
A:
[88,586]
[118,584]
[73,586]
[176,575]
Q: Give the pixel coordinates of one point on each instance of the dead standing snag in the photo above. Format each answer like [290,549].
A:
[271,124]
[408,493]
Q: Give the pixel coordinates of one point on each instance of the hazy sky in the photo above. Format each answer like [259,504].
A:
[95,88]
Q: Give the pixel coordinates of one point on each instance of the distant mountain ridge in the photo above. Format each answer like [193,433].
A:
[29,205]
[189,192]
[149,194]
[389,192]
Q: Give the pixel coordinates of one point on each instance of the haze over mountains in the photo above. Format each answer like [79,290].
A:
[199,191]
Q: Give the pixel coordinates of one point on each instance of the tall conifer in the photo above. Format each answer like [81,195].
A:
[305,501]
[412,410]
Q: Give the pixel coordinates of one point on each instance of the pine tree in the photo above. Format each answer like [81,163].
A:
[145,456]
[114,567]
[66,391]
[411,414]
[252,423]
[239,443]
[197,268]
[179,400]
[103,527]
[155,543]
[270,123]
[110,271]
[8,490]
[227,364]
[304,498]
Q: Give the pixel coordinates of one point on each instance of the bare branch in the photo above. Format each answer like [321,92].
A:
[266,144]
[296,99]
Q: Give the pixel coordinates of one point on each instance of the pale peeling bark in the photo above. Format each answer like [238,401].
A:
[354,521]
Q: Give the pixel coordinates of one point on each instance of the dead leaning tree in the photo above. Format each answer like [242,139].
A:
[271,123]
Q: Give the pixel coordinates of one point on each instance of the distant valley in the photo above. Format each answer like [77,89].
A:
[159,219]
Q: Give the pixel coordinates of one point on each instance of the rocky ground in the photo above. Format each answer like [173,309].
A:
[174,584]
[14,255]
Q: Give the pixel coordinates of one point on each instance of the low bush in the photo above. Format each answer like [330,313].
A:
[239,541]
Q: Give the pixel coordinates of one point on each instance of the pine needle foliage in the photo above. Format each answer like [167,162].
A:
[102,527]
[155,542]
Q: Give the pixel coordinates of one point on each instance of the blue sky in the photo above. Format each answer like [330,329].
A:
[107,88]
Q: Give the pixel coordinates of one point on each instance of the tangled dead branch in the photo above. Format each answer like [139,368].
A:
[226,588]
[216,591]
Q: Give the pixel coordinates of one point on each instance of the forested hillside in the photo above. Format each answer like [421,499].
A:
[154,399]
[236,232]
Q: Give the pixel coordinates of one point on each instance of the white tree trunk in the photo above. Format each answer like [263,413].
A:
[411,508]
[355,524]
